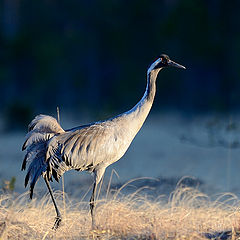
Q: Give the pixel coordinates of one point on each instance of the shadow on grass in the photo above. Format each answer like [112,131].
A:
[225,235]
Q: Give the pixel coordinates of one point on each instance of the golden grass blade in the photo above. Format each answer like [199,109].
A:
[110,182]
[63,186]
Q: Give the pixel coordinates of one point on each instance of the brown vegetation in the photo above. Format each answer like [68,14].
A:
[188,214]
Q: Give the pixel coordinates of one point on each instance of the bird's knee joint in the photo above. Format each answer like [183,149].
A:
[92,204]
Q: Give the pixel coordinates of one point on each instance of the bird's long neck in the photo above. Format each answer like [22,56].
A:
[151,86]
[139,112]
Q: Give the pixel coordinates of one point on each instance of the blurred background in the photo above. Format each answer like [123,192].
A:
[90,59]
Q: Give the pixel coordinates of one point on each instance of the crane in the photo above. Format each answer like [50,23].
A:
[51,151]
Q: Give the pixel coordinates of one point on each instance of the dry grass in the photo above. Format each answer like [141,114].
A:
[189,214]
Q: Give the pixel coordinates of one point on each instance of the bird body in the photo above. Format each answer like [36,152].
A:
[51,151]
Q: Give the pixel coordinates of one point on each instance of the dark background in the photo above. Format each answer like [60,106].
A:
[90,57]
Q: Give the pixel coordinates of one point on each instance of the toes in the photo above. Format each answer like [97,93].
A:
[57,223]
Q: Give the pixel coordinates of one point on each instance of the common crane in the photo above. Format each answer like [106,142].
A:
[51,151]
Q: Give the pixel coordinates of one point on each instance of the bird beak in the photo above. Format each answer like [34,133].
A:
[173,64]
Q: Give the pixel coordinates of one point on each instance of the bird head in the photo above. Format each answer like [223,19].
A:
[164,61]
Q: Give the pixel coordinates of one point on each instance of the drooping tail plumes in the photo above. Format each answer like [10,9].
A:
[40,130]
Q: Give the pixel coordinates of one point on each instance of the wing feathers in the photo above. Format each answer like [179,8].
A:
[41,130]
[52,151]
[80,149]
[35,137]
[45,124]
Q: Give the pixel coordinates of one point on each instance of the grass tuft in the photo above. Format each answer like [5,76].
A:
[189,214]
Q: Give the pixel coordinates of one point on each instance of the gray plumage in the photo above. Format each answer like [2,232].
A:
[41,129]
[51,151]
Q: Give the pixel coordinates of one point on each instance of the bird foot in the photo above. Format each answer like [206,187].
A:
[57,222]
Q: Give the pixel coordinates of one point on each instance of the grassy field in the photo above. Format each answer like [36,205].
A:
[188,214]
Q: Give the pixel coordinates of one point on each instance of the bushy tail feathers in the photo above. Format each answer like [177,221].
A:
[41,129]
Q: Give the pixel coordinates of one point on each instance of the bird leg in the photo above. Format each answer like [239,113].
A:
[92,204]
[98,173]
[58,218]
